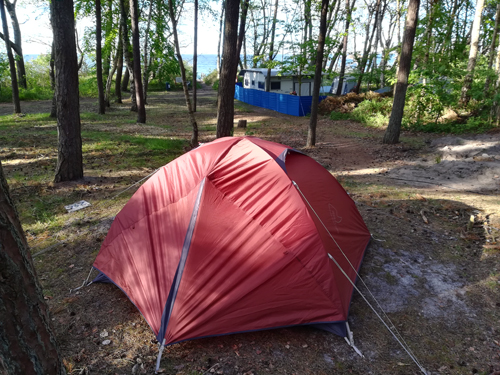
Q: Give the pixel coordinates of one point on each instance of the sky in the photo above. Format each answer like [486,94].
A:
[37,34]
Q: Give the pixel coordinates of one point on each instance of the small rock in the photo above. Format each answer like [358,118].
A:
[287,346]
[104,334]
[304,346]
[106,342]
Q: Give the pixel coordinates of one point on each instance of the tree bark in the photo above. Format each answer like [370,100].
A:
[241,33]
[52,73]
[271,47]
[474,42]
[21,70]
[126,75]
[108,41]
[493,48]
[69,159]
[225,107]
[391,135]
[311,135]
[109,80]
[145,76]
[139,94]
[192,119]
[119,68]
[27,341]
[195,54]
[12,65]
[220,37]
[98,57]
[126,56]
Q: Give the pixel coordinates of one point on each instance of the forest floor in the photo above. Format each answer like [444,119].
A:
[431,202]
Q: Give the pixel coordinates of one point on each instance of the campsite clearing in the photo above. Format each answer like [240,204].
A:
[431,202]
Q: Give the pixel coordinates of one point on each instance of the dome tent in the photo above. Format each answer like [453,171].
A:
[235,236]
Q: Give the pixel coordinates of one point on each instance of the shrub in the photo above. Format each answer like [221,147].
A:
[374,113]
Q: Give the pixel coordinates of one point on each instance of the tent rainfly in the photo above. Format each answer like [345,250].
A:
[235,236]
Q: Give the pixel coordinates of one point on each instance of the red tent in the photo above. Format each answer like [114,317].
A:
[221,241]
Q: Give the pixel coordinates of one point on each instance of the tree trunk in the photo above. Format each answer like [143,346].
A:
[69,158]
[271,48]
[126,55]
[495,108]
[139,94]
[241,33]
[52,73]
[119,68]
[109,80]
[311,135]
[391,135]
[145,77]
[225,107]
[492,48]
[348,10]
[367,48]
[474,42]
[98,56]
[12,65]
[126,75]
[220,37]
[195,54]
[21,70]
[192,119]
[27,341]
[108,41]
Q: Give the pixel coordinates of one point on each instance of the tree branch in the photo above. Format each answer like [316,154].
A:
[14,46]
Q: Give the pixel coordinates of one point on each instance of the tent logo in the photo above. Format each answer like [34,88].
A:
[336,219]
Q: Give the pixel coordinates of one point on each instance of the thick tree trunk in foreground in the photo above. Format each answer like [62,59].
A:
[12,65]
[69,158]
[311,135]
[225,107]
[192,119]
[474,42]
[391,135]
[27,341]
[98,57]
[139,94]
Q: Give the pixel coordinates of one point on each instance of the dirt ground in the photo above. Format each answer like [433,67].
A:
[432,204]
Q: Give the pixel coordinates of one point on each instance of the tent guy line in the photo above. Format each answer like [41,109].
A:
[350,341]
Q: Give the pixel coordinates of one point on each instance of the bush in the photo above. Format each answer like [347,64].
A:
[211,78]
[374,113]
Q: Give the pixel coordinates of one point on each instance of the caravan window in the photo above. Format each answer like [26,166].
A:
[261,85]
[253,82]
[275,85]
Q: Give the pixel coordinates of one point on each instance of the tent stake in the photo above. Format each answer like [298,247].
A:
[350,341]
[159,356]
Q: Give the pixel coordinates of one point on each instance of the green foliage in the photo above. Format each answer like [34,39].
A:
[210,78]
[374,113]
[88,86]
[472,125]
[338,116]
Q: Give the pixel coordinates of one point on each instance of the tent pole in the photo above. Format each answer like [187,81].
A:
[350,340]
[159,356]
